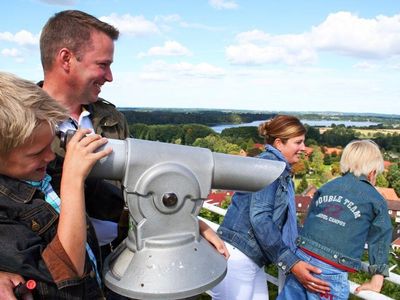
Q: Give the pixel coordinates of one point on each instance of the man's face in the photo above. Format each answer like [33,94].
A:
[91,69]
[29,161]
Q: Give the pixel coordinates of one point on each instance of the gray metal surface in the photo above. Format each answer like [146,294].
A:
[164,256]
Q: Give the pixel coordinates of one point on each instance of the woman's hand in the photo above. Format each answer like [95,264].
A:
[375,284]
[303,272]
[210,235]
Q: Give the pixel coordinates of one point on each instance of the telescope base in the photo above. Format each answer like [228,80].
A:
[164,273]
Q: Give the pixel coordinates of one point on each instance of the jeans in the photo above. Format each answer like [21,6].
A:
[244,280]
[337,279]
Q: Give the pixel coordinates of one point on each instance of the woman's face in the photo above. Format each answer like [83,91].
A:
[292,149]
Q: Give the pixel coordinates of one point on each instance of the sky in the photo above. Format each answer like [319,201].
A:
[312,55]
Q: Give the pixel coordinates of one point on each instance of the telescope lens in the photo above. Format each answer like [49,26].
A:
[169,199]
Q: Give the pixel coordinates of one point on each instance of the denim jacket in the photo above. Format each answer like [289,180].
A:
[254,221]
[28,224]
[346,213]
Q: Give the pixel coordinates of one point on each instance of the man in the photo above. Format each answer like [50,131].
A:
[77,51]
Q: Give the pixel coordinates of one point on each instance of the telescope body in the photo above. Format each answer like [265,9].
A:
[164,186]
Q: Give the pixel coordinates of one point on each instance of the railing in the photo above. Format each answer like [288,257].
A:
[368,295]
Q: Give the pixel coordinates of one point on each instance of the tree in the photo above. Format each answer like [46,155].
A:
[316,161]
[393,176]
[299,168]
[339,136]
[335,168]
[217,144]
[312,135]
[303,185]
[381,181]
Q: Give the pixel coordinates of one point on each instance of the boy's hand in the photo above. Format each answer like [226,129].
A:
[303,272]
[375,284]
[81,152]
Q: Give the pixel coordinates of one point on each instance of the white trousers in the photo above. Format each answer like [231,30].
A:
[244,279]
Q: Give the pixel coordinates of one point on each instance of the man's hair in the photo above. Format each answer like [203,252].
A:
[70,29]
[360,157]
[23,106]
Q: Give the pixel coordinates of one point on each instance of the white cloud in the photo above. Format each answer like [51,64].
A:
[342,33]
[13,52]
[132,25]
[348,34]
[253,36]
[23,38]
[256,47]
[170,48]
[223,4]
[162,70]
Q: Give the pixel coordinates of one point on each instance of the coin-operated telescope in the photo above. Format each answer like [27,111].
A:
[164,256]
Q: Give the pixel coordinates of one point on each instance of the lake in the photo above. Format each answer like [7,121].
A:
[321,123]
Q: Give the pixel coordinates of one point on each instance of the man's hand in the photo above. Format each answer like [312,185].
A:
[8,282]
[303,272]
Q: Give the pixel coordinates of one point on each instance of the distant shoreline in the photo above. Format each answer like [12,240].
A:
[318,123]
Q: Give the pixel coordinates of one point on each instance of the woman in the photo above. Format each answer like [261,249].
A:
[260,228]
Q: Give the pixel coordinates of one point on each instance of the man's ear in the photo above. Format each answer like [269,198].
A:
[64,57]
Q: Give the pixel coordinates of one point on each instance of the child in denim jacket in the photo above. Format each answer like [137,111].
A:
[42,236]
[346,213]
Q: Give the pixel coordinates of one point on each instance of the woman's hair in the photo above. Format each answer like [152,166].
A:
[70,29]
[283,127]
[24,106]
[360,157]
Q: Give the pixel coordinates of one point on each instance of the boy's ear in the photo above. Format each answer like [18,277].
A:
[372,177]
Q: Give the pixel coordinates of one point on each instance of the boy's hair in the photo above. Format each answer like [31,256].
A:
[360,157]
[23,106]
[70,29]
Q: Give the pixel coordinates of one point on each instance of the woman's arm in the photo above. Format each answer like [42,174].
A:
[303,272]
[269,236]
[210,235]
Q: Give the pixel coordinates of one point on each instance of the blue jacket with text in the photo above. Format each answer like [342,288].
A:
[346,213]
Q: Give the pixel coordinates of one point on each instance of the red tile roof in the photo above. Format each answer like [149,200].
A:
[388,193]
[330,150]
[218,197]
